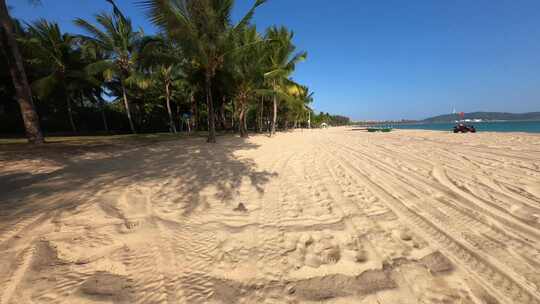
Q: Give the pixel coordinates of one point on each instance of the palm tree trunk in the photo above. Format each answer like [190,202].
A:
[104,117]
[9,46]
[194,112]
[70,114]
[178,118]
[274,118]
[222,117]
[244,123]
[172,126]
[81,100]
[233,127]
[211,114]
[241,122]
[101,104]
[261,112]
[126,105]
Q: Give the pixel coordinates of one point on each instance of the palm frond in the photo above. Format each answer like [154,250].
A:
[140,80]
[97,36]
[277,73]
[99,67]
[249,15]
[43,87]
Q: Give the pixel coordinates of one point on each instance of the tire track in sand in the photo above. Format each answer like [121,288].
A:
[441,187]
[475,230]
[13,279]
[496,280]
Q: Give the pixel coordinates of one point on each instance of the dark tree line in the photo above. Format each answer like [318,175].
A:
[200,72]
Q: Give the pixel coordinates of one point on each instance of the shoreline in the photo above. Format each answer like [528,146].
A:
[451,132]
[499,127]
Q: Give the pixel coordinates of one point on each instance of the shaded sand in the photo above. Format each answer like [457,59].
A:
[320,216]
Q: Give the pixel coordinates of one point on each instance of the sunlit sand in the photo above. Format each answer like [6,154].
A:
[338,216]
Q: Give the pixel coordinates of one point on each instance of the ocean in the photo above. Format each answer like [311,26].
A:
[499,126]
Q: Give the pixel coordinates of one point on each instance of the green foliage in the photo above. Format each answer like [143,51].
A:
[199,64]
[331,120]
[57,56]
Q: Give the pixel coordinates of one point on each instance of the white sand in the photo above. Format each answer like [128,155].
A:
[331,216]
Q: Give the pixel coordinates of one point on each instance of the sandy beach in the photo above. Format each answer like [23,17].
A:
[313,216]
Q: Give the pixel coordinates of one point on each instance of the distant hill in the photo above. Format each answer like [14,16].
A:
[489,116]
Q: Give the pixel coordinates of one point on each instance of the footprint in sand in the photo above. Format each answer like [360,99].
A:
[132,206]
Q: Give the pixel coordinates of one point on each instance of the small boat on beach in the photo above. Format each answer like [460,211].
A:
[376,129]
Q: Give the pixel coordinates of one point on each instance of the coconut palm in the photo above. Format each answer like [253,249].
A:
[10,50]
[121,43]
[203,29]
[162,58]
[299,106]
[307,98]
[166,76]
[247,70]
[91,54]
[57,55]
[282,61]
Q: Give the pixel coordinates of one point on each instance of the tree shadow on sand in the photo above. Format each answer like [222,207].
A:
[80,171]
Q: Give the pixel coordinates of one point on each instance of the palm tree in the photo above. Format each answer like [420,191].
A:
[10,50]
[299,104]
[281,61]
[162,57]
[91,53]
[166,76]
[57,55]
[307,98]
[121,42]
[247,70]
[203,29]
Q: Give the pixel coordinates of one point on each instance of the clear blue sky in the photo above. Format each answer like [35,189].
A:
[389,59]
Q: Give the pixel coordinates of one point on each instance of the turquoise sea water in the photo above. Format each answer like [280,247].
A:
[500,126]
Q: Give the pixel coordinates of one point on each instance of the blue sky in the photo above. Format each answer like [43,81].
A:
[388,59]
